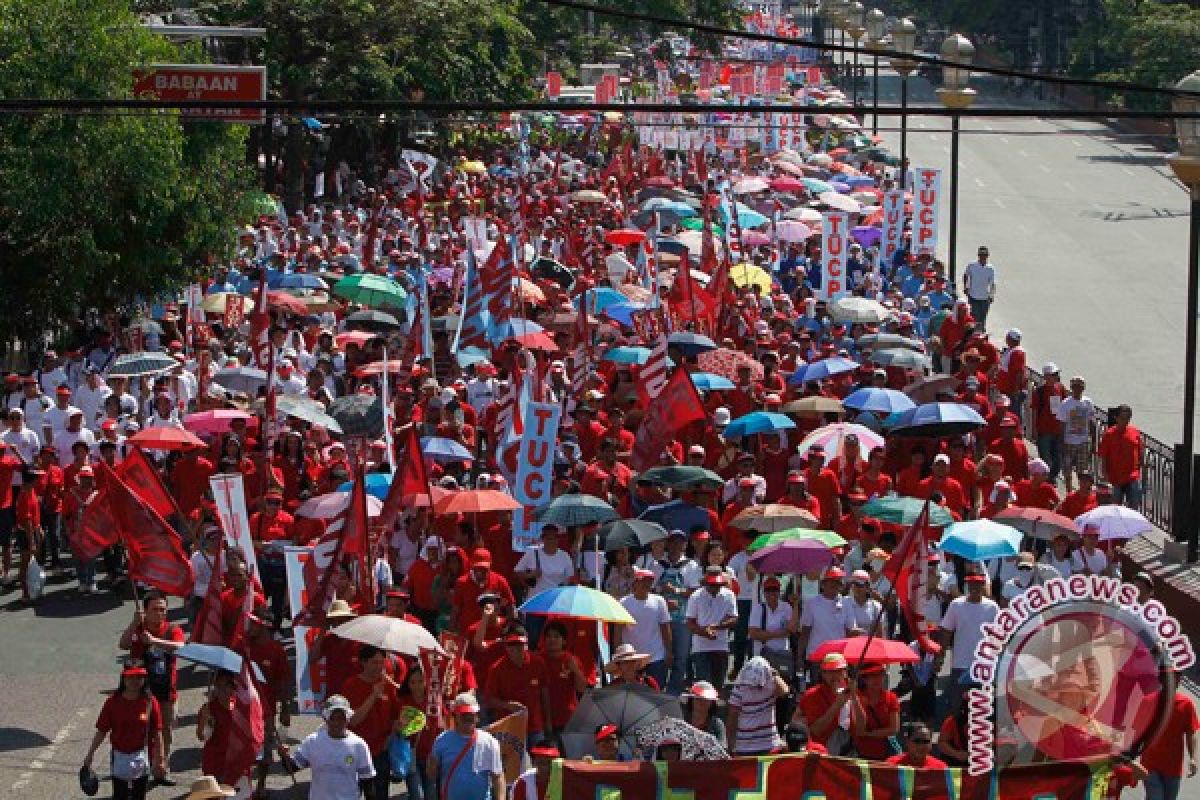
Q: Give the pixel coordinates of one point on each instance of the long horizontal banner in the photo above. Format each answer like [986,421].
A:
[815,777]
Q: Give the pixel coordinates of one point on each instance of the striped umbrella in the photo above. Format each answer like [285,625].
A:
[577,602]
[133,365]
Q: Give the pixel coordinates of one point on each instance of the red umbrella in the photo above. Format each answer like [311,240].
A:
[878,651]
[166,439]
[282,301]
[786,184]
[536,341]
[474,501]
[624,237]
[375,368]
[217,421]
[358,338]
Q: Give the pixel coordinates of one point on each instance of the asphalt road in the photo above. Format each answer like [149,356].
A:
[1088,229]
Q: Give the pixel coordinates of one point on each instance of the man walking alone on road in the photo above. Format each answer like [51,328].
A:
[979,281]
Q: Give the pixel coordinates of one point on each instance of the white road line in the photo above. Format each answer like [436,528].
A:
[1044,168]
[1067,185]
[999,202]
[1127,171]
[1003,140]
[979,183]
[47,753]
[1022,154]
[1076,143]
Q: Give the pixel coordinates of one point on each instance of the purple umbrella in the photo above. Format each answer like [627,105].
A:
[859,181]
[840,188]
[866,235]
[443,275]
[794,556]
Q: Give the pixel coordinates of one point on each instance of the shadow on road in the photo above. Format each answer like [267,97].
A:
[20,739]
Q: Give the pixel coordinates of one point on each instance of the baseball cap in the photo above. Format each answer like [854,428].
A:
[834,661]
[481,557]
[975,577]
[133,672]
[834,573]
[1050,368]
[642,574]
[941,458]
[714,579]
[860,576]
[605,732]
[771,583]
[464,703]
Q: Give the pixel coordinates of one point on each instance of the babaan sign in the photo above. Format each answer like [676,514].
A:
[177,82]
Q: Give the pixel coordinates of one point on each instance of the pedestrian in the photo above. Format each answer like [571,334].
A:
[1078,416]
[374,697]
[340,760]
[1046,400]
[918,747]
[466,763]
[131,721]
[979,282]
[962,629]
[874,715]
[700,703]
[1120,453]
[152,640]
[651,629]
[824,710]
[751,714]
[711,615]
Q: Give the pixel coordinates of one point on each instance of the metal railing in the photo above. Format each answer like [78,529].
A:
[1158,461]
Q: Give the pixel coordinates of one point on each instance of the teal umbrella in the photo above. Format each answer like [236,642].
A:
[905,510]
[575,510]
[371,290]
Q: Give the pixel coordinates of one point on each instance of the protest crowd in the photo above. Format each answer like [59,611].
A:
[520,429]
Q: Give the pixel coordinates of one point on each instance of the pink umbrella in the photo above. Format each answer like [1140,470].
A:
[832,436]
[218,421]
[328,506]
[786,184]
[755,238]
[791,230]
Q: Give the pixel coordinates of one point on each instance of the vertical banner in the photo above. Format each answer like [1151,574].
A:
[525,529]
[434,665]
[230,499]
[893,225]
[553,85]
[476,229]
[927,189]
[195,296]
[455,646]
[310,677]
[835,228]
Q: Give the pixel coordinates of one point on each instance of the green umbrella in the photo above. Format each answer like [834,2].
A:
[575,510]
[371,290]
[697,224]
[904,510]
[828,538]
[262,204]
[684,477]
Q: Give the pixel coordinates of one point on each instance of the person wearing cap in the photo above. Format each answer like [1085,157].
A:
[545,566]
[517,682]
[75,504]
[419,580]
[1029,573]
[54,419]
[1088,559]
[628,666]
[274,687]
[962,629]
[823,617]
[711,615]
[73,432]
[607,745]
[151,640]
[466,762]
[939,480]
[396,604]
[1045,400]
[1010,446]
[823,485]
[533,783]
[874,715]
[751,727]
[824,710]
[90,397]
[650,632]
[1077,413]
[1037,491]
[680,577]
[771,626]
[480,579]
[340,759]
[24,442]
[1083,499]
[132,722]
[215,726]
[272,529]
[861,609]
[1012,375]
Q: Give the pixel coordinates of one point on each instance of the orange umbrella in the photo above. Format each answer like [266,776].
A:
[359,338]
[375,369]
[166,439]
[474,501]
[282,301]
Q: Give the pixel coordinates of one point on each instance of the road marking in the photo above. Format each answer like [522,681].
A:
[1067,185]
[1003,140]
[999,202]
[47,753]
[1076,143]
[1044,168]
[1022,154]
[1127,170]
[988,128]
[979,183]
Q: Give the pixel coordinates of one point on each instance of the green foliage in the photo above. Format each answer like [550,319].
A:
[96,210]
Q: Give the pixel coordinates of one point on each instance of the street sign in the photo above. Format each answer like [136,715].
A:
[205,82]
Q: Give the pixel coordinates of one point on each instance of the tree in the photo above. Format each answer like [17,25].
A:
[97,210]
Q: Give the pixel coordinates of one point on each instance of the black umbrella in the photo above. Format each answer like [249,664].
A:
[628,706]
[633,533]
[359,415]
[551,270]
[373,321]
[677,515]
[691,344]
[644,219]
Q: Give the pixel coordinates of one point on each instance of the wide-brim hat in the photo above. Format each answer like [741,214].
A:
[340,609]
[624,654]
[206,787]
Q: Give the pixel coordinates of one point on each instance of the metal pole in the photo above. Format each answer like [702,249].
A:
[854,77]
[1186,528]
[903,130]
[953,257]
[875,99]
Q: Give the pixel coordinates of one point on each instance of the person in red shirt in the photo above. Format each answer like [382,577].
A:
[397,601]
[189,479]
[821,706]
[797,494]
[375,699]
[1012,377]
[27,511]
[850,527]
[1037,491]
[274,689]
[874,482]
[607,478]
[270,530]
[875,714]
[954,329]
[940,481]
[588,432]
[479,580]
[1120,452]
[1047,427]
[152,641]
[823,485]
[999,498]
[50,488]
[917,749]
[1163,757]
[130,719]
[214,724]
[1011,447]
[850,465]
[517,681]
[419,581]
[340,655]
[1083,499]
[236,604]
[565,680]
[908,479]
[972,397]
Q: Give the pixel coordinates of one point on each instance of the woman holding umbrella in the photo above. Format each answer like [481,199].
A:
[1059,555]
[701,703]
[131,720]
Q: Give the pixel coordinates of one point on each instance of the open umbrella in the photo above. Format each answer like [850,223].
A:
[935,419]
[750,186]
[577,602]
[600,299]
[174,439]
[879,341]
[858,309]
[677,515]
[694,744]
[627,355]
[358,415]
[822,370]
[377,484]
[373,321]
[926,390]
[828,538]
[772,518]
[308,410]
[375,369]
[816,187]
[133,365]
[372,290]
[901,510]
[588,196]
[632,533]
[574,510]
[551,270]
[1114,522]
[1038,523]
[691,344]
[708,382]
[390,634]
[809,216]
[758,422]
[217,421]
[247,380]
[282,301]
[793,231]
[794,556]
[443,450]
[683,477]
[356,338]
[330,504]
[624,237]
[878,401]
[475,501]
[215,656]
[744,275]
[900,357]
[839,202]
[628,706]
[868,650]
[814,406]
[980,539]
[215,303]
[832,438]
[727,363]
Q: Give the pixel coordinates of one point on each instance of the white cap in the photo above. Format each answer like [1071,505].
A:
[434,541]
[941,458]
[449,395]
[1013,333]
[721,416]
[336,703]
[1050,368]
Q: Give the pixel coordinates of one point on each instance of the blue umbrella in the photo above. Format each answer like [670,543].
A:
[600,299]
[672,246]
[879,401]
[574,510]
[935,419]
[708,382]
[840,187]
[859,181]
[747,217]
[623,312]
[301,280]
[627,355]
[899,357]
[677,515]
[981,539]
[666,204]
[216,657]
[758,422]
[514,327]
[467,356]
[444,450]
[691,344]
[378,484]
[815,186]
[822,370]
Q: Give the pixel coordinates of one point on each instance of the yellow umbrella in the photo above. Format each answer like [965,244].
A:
[216,303]
[473,167]
[744,275]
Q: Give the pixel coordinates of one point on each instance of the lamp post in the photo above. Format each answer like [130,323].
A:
[904,40]
[876,29]
[955,95]
[855,14]
[814,35]
[1186,166]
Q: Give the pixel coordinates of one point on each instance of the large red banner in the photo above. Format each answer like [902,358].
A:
[205,82]
[813,776]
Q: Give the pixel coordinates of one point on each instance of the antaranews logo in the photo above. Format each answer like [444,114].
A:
[1073,668]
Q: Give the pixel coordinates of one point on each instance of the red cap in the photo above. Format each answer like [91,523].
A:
[401,594]
[796,476]
[747,483]
[606,731]
[702,536]
[545,752]
[63,390]
[86,472]
[133,672]
[771,583]
[834,573]
[516,638]
[641,574]
[857,496]
[716,579]
[1009,421]
[975,577]
[480,557]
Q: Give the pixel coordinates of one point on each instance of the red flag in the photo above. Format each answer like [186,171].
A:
[247,731]
[97,529]
[329,554]
[687,300]
[701,166]
[155,553]
[411,480]
[207,628]
[260,327]
[911,578]
[137,471]
[678,405]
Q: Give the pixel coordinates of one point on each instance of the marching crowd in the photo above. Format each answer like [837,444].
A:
[744,649]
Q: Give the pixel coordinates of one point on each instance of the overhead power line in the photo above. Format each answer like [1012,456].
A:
[715,30]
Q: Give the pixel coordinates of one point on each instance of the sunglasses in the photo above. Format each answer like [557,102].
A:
[921,741]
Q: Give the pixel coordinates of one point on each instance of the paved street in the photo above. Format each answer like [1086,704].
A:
[1088,230]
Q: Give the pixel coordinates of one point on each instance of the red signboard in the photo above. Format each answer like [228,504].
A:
[205,82]
[553,84]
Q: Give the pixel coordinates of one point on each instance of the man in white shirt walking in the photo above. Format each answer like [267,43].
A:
[962,628]
[823,618]
[650,632]
[711,615]
[979,281]
[340,759]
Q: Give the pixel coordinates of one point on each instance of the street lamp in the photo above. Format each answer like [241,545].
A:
[876,30]
[855,14]
[812,7]
[956,96]
[904,40]
[1186,166]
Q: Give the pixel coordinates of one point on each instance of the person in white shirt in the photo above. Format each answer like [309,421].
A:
[482,389]
[1088,560]
[823,617]
[184,386]
[91,396]
[75,432]
[162,415]
[679,578]
[22,439]
[54,419]
[771,622]
[979,281]
[288,381]
[650,632]
[1029,573]
[863,612]
[711,615]
[1059,556]
[340,759]
[51,375]
[1077,413]
[745,487]
[962,629]
[544,567]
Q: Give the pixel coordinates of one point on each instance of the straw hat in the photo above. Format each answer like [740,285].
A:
[340,609]
[623,654]
[206,788]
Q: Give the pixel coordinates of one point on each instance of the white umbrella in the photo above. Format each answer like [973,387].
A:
[840,202]
[821,159]
[388,633]
[750,186]
[1114,522]
[858,309]
[792,231]
[328,506]
[694,242]
[803,214]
